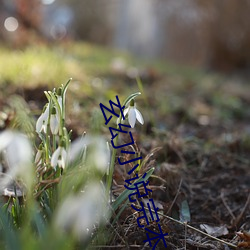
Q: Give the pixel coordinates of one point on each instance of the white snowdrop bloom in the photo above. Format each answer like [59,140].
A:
[59,157]
[79,214]
[54,121]
[59,99]
[133,114]
[101,154]
[17,152]
[5,139]
[77,148]
[39,154]
[42,122]
[98,152]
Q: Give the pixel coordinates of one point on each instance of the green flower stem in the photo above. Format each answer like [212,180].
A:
[112,163]
[47,140]
[54,142]
[65,87]
[46,150]
[66,136]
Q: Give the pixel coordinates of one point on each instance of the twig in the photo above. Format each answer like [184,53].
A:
[173,202]
[158,177]
[227,207]
[57,180]
[197,230]
[185,224]
[50,184]
[237,220]
[117,246]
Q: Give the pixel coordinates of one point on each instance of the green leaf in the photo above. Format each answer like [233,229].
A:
[53,97]
[47,95]
[139,84]
[10,236]
[129,98]
[65,87]
[185,212]
[39,222]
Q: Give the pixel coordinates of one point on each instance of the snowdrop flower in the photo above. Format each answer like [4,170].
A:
[79,214]
[59,97]
[98,152]
[42,122]
[17,152]
[77,149]
[133,114]
[39,154]
[54,121]
[59,157]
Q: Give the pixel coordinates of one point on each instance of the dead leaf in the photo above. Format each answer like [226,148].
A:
[245,236]
[214,230]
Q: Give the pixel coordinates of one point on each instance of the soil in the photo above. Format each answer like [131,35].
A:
[201,159]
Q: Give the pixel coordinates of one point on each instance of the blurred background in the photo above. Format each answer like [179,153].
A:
[212,34]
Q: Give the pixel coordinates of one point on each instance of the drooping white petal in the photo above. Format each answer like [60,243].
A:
[139,116]
[66,215]
[63,159]
[64,154]
[55,156]
[101,155]
[38,156]
[59,99]
[54,124]
[77,148]
[125,111]
[59,158]
[39,123]
[132,116]
[79,213]
[19,151]
[44,127]
[5,139]
[98,152]
[61,163]
[18,156]
[46,113]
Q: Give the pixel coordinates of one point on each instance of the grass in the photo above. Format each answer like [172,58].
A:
[32,66]
[36,65]
[43,64]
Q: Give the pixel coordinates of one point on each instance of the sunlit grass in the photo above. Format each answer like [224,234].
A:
[43,64]
[37,65]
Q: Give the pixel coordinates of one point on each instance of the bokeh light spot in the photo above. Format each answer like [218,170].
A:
[11,24]
[58,31]
[47,2]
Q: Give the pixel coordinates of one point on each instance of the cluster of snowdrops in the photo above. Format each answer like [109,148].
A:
[65,185]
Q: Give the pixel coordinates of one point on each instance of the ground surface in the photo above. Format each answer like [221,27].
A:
[197,124]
